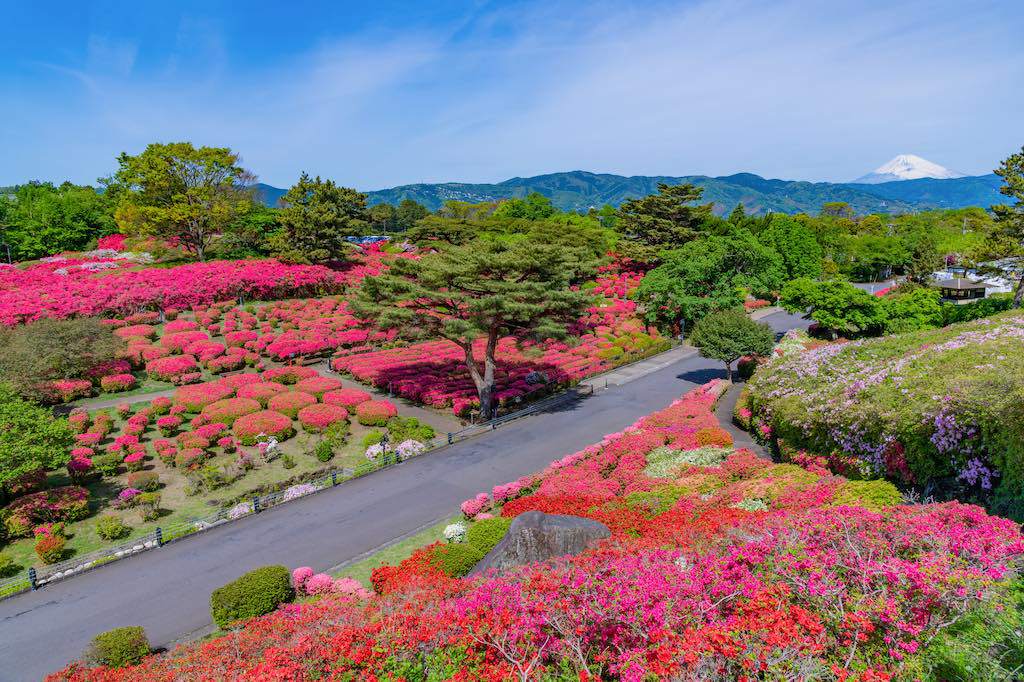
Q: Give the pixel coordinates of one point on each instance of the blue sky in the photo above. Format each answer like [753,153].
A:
[375,94]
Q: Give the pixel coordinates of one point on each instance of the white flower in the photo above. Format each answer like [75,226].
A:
[455,532]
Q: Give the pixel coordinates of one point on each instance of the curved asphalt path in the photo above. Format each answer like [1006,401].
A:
[167,590]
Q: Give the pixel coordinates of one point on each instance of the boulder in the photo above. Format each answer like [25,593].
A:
[535,536]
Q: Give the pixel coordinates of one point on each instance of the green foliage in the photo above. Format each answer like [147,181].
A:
[729,335]
[48,349]
[836,306]
[112,528]
[665,220]
[382,218]
[249,234]
[751,505]
[336,434]
[485,289]
[179,191]
[406,428]
[106,463]
[1010,217]
[323,451]
[317,216]
[535,206]
[664,462]
[7,565]
[486,533]
[707,275]
[409,212]
[458,559]
[868,494]
[119,647]
[795,243]
[288,462]
[997,303]
[257,592]
[912,310]
[986,644]
[372,437]
[658,500]
[30,437]
[39,219]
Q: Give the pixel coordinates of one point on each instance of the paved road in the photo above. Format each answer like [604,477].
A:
[167,590]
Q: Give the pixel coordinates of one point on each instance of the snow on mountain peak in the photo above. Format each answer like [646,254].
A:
[908,167]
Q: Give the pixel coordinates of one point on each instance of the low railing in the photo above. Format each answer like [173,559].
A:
[34,578]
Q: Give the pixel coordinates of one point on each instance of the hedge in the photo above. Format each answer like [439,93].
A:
[119,647]
[486,533]
[257,592]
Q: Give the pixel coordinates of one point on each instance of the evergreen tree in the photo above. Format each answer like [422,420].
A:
[665,220]
[317,216]
[409,212]
[484,289]
[795,243]
[1010,218]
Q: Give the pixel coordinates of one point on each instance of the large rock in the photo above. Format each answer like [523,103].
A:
[535,536]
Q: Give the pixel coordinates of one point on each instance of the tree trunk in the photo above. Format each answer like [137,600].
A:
[484,381]
[1018,298]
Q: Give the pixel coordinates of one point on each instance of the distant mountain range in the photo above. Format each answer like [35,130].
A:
[581,190]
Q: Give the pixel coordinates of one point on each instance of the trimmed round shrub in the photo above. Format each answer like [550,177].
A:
[248,428]
[409,428]
[228,410]
[714,435]
[289,375]
[112,528]
[189,458]
[141,331]
[256,593]
[318,385]
[117,382]
[178,325]
[375,412]
[239,380]
[291,402]
[871,495]
[485,534]
[346,397]
[261,392]
[458,559]
[195,398]
[316,418]
[172,368]
[147,481]
[50,548]
[119,647]
[177,342]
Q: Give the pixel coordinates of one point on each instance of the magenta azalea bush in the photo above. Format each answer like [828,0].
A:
[290,402]
[250,427]
[316,418]
[375,412]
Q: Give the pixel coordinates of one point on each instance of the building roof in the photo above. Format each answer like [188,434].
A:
[960,283]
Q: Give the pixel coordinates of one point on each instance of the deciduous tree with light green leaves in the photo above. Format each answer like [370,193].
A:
[30,437]
[484,289]
[729,335]
[177,191]
[838,307]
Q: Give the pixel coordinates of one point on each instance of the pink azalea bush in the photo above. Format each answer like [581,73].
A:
[266,422]
[346,397]
[115,383]
[375,412]
[290,402]
[316,418]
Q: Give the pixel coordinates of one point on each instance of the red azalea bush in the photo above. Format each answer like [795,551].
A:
[237,381]
[346,397]
[316,418]
[141,331]
[176,343]
[66,390]
[267,422]
[68,503]
[173,368]
[690,586]
[318,385]
[117,382]
[196,397]
[50,548]
[290,402]
[289,375]
[28,482]
[228,410]
[261,392]
[375,412]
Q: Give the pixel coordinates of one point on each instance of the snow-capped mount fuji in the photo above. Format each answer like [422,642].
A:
[907,167]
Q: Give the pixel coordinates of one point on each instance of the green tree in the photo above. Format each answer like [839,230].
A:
[838,307]
[729,335]
[907,311]
[707,275]
[318,216]
[795,243]
[665,220]
[1010,217]
[382,218]
[250,233]
[836,209]
[30,437]
[484,289]
[39,219]
[43,351]
[535,206]
[178,191]
[409,212]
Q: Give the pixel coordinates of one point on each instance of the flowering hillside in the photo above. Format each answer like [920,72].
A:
[113,286]
[940,407]
[720,566]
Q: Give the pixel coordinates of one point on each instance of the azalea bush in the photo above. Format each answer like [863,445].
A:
[375,412]
[249,428]
[316,418]
[938,409]
[721,567]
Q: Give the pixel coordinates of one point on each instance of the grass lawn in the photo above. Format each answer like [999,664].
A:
[394,553]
